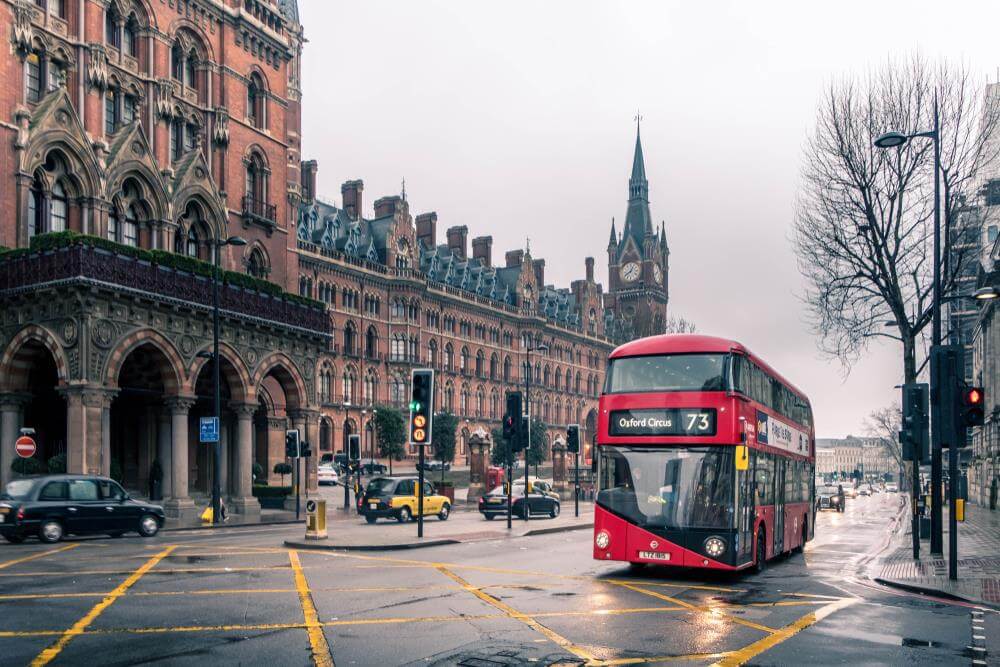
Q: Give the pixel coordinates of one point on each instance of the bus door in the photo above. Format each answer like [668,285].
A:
[779,505]
[745,513]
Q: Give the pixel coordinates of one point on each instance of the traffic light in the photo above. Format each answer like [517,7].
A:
[913,437]
[292,449]
[524,442]
[354,448]
[421,406]
[305,450]
[970,411]
[511,419]
[950,385]
[573,438]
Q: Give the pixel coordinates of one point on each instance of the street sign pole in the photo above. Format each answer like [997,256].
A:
[298,485]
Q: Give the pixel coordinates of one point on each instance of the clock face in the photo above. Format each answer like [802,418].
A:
[630,271]
[657,275]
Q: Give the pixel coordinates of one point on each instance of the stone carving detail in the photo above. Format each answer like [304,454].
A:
[103,334]
[220,132]
[187,345]
[164,91]
[69,332]
[252,357]
[97,68]
[23,31]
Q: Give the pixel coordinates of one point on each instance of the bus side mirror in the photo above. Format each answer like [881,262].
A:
[742,457]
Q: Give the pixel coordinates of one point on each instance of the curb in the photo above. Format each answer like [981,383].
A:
[235,526]
[559,529]
[370,547]
[933,592]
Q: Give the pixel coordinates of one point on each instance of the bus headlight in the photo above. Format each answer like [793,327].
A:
[715,546]
[602,540]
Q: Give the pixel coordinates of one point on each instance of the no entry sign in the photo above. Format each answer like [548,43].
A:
[25,446]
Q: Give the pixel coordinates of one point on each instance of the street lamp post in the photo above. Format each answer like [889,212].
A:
[541,347]
[890,140]
[217,245]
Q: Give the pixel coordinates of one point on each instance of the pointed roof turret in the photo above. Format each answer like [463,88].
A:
[638,221]
[613,243]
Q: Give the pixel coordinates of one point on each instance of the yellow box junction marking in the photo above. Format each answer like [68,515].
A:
[746,653]
[515,614]
[49,654]
[317,639]
[691,607]
[43,554]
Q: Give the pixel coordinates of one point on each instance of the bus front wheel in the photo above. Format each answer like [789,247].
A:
[760,562]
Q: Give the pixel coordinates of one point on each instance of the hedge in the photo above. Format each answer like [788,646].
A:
[56,240]
[262,491]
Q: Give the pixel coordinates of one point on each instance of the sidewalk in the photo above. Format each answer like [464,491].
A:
[265,518]
[350,532]
[978,561]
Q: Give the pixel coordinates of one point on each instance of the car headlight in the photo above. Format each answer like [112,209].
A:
[715,546]
[602,540]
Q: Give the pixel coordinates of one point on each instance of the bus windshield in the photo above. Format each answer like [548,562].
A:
[675,372]
[668,488]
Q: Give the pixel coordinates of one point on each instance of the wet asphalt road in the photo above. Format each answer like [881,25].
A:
[238,597]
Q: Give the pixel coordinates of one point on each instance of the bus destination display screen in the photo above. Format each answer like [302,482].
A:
[663,421]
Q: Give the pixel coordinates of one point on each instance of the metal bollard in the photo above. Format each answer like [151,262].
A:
[316,519]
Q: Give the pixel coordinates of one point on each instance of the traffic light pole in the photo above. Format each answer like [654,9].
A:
[936,538]
[914,494]
[953,512]
[510,484]
[576,492]
[298,485]
[420,492]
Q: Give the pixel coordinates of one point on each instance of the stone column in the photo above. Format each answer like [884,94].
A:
[479,456]
[275,447]
[11,407]
[106,433]
[76,431]
[179,505]
[298,419]
[559,483]
[243,501]
[164,452]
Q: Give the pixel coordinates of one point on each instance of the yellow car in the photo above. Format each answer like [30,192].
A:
[396,498]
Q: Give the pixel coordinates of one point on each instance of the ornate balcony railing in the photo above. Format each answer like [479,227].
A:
[259,210]
[85,263]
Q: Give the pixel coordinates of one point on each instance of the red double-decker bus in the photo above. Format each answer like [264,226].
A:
[705,457]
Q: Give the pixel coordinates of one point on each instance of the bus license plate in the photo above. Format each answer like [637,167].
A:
[654,555]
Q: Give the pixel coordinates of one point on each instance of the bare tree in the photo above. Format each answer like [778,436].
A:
[885,424]
[864,216]
[677,324]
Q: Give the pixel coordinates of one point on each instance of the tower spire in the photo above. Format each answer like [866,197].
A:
[614,234]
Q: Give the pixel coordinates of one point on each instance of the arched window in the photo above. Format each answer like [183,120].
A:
[465,360]
[176,139]
[256,96]
[349,381]
[371,343]
[256,185]
[130,230]
[114,224]
[177,62]
[112,34]
[193,242]
[480,403]
[449,357]
[191,70]
[506,369]
[449,398]
[480,363]
[494,405]
[494,362]
[130,39]
[257,267]
[464,405]
[349,338]
[558,378]
[432,353]
[58,208]
[370,387]
[36,207]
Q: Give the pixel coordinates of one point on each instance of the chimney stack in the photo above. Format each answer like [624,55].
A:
[427,229]
[482,249]
[456,240]
[351,192]
[387,205]
[308,175]
[539,267]
[590,269]
[514,258]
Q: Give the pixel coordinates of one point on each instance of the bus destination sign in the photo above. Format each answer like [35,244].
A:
[663,421]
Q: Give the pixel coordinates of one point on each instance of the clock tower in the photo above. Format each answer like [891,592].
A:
[638,262]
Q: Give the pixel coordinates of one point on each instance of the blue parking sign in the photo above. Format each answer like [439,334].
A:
[209,431]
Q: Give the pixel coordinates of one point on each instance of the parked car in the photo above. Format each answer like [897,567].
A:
[863,491]
[891,487]
[373,467]
[435,465]
[327,474]
[542,500]
[54,506]
[396,498]
[828,497]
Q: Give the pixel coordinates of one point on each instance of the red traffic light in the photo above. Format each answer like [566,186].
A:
[974,396]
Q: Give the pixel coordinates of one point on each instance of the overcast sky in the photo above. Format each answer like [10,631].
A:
[516,119]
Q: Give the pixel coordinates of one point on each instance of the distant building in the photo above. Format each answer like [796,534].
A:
[841,457]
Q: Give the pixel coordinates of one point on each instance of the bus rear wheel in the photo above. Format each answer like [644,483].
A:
[760,562]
